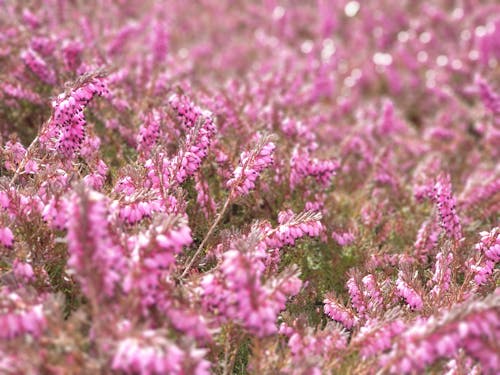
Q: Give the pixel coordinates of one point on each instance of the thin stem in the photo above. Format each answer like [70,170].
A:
[207,236]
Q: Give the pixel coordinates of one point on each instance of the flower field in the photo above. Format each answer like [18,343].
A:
[249,187]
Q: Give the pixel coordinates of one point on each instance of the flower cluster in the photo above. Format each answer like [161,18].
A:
[67,126]
[239,292]
[302,166]
[38,66]
[339,313]
[446,205]
[409,294]
[488,254]
[151,353]
[90,245]
[250,166]
[268,202]
[473,327]
[19,318]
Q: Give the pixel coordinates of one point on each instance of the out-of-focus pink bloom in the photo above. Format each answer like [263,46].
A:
[38,66]
[344,238]
[446,205]
[6,237]
[488,255]
[302,166]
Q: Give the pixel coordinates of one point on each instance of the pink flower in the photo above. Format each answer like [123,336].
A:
[6,237]
[250,166]
[446,205]
[488,255]
[68,120]
[340,313]
[93,255]
[38,66]
[302,166]
[412,298]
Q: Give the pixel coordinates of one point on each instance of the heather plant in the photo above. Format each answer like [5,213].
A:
[276,187]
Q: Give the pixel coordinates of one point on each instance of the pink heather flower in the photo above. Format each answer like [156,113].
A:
[55,213]
[200,128]
[38,66]
[339,313]
[72,51]
[312,347]
[4,200]
[160,42]
[67,126]
[204,197]
[20,93]
[293,226]
[446,205]
[23,271]
[423,184]
[149,132]
[152,260]
[357,298]
[6,237]
[405,291]
[238,292]
[134,203]
[472,326]
[153,353]
[488,255]
[344,238]
[442,273]
[43,45]
[31,19]
[427,239]
[372,292]
[14,153]
[187,112]
[191,323]
[97,179]
[490,98]
[250,166]
[19,317]
[121,37]
[490,244]
[31,167]
[97,261]
[375,337]
[302,166]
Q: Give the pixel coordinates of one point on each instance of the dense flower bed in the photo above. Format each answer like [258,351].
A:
[275,187]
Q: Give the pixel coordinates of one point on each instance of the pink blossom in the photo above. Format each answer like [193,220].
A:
[339,313]
[68,119]
[446,205]
[250,166]
[6,237]
[404,290]
[38,66]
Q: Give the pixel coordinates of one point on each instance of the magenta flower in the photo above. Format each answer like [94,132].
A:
[446,205]
[6,237]
[96,259]
[409,294]
[250,166]
[67,125]
[339,313]
[38,66]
